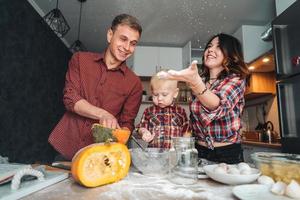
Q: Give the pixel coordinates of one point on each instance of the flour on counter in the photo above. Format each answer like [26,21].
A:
[139,187]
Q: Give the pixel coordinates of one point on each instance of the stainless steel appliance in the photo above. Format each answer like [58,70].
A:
[286,40]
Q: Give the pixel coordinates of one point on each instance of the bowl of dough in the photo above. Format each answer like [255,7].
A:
[279,166]
[232,174]
[152,162]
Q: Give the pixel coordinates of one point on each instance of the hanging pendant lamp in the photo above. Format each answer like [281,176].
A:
[57,21]
[77,45]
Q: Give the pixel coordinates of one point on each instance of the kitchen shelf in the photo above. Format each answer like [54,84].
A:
[258,99]
[262,144]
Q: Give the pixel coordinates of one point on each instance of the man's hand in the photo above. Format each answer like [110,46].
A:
[108,120]
[146,135]
[84,108]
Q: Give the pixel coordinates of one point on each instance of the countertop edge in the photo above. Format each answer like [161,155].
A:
[262,144]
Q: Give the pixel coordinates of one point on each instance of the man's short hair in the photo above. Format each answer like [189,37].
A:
[125,19]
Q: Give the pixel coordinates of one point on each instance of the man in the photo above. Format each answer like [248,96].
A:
[100,88]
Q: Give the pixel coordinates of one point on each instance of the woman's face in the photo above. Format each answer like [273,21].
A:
[213,56]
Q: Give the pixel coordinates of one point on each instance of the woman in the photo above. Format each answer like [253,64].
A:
[218,99]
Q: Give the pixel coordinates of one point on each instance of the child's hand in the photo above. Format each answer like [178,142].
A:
[187,134]
[146,135]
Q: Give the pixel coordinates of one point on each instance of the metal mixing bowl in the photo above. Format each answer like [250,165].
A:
[152,162]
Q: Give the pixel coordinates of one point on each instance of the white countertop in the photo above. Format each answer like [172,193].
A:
[137,187]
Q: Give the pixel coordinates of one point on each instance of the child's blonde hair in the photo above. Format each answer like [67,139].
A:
[156,80]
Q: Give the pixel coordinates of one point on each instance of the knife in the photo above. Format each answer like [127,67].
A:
[61,166]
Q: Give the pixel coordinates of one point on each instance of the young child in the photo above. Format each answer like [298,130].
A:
[164,119]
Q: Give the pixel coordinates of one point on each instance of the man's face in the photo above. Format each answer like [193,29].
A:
[122,42]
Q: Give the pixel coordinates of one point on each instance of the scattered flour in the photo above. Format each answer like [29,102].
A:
[139,187]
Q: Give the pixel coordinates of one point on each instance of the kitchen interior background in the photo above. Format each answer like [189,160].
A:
[33,63]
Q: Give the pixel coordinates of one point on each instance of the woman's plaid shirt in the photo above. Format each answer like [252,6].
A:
[223,123]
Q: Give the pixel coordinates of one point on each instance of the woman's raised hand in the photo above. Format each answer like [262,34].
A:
[189,75]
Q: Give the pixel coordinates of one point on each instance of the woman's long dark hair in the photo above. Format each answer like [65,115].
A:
[233,57]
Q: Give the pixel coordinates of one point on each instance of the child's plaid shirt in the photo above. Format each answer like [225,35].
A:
[165,123]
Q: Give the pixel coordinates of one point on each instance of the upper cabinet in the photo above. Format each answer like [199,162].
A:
[260,84]
[147,60]
[282,5]
[262,79]
[170,57]
[186,54]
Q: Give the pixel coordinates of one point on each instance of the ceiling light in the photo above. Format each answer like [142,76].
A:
[77,45]
[265,60]
[57,21]
[251,67]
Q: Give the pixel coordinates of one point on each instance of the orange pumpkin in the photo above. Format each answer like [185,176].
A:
[103,134]
[122,135]
[100,163]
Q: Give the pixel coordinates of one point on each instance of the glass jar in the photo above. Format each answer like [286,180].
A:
[183,160]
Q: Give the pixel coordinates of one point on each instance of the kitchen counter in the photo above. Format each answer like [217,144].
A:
[136,187]
[262,144]
[250,147]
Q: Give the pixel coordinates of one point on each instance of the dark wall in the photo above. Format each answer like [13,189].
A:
[33,63]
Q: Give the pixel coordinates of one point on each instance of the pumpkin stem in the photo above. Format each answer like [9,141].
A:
[103,134]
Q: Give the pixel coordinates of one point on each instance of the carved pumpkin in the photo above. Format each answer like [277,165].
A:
[100,163]
[103,134]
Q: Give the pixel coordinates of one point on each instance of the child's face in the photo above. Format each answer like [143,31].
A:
[163,94]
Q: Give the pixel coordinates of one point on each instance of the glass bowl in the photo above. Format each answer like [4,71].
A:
[152,162]
[280,166]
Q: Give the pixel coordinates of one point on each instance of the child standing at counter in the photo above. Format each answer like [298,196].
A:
[164,119]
